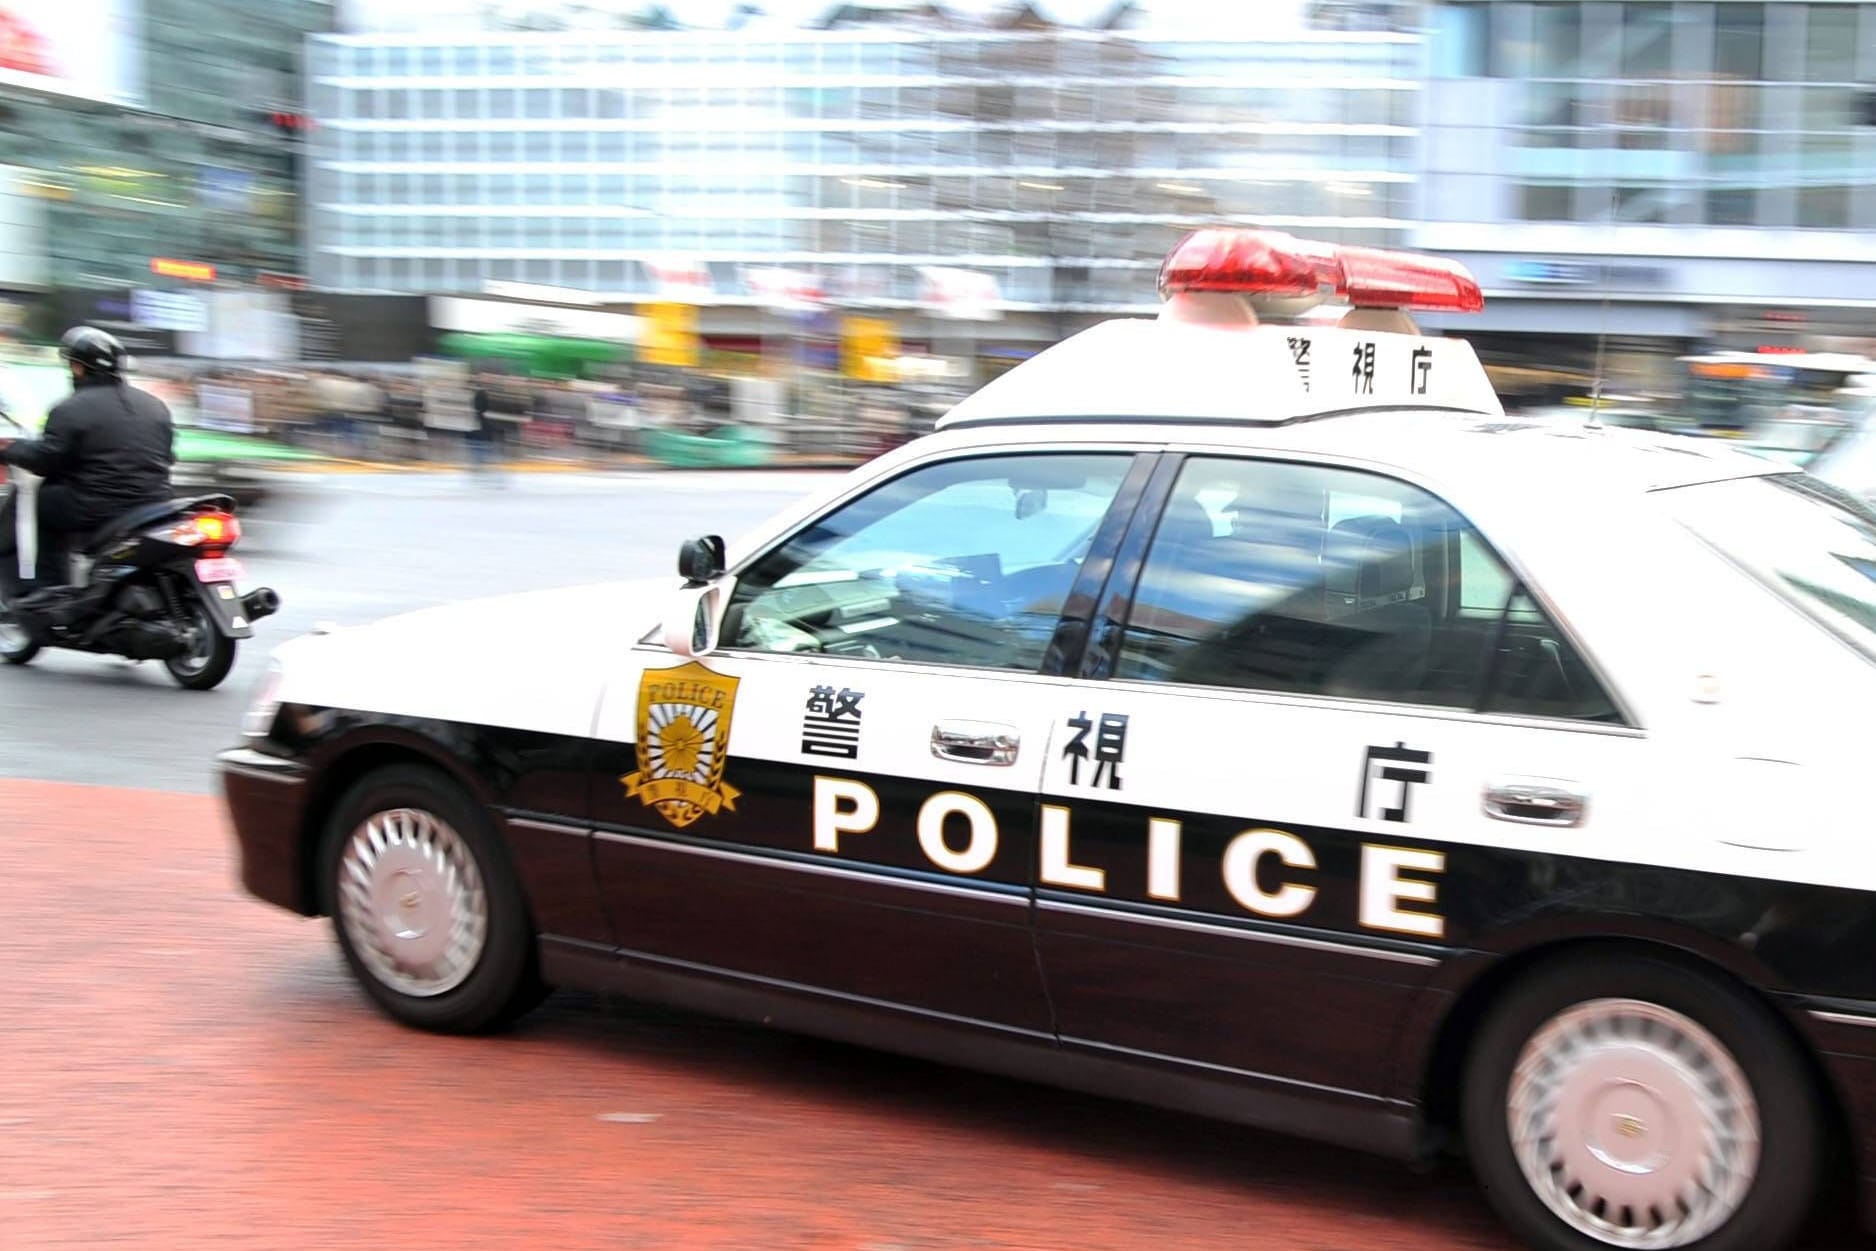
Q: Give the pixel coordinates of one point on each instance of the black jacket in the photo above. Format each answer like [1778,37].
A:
[109,444]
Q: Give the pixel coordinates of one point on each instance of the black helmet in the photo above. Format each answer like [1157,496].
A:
[93,351]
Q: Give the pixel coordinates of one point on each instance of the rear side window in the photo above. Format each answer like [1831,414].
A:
[1309,579]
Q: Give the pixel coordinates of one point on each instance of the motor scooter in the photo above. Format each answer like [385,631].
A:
[155,583]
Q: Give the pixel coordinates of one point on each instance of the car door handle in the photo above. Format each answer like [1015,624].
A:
[974,742]
[1536,801]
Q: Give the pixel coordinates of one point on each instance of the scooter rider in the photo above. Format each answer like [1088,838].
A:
[106,449]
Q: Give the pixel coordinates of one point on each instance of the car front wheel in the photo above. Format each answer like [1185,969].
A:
[1633,1102]
[427,910]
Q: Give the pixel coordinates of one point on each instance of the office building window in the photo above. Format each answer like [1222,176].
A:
[1830,37]
[1539,202]
[1739,41]
[1557,39]
[1648,39]
[1460,39]
[1824,208]
[1651,203]
[1732,206]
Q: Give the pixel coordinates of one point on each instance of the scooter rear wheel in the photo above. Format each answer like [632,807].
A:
[210,656]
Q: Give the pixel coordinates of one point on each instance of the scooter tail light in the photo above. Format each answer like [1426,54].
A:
[214,531]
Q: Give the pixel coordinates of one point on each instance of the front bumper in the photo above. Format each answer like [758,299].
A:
[267,798]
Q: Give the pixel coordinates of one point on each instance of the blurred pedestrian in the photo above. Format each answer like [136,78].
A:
[488,431]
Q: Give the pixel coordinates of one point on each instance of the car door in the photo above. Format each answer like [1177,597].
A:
[1322,735]
[841,798]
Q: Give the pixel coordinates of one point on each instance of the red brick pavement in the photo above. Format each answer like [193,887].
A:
[185,1067]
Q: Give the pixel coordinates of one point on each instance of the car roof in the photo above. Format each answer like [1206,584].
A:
[1173,370]
[1534,453]
[1427,407]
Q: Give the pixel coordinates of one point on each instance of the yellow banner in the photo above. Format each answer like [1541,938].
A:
[654,791]
[869,346]
[670,336]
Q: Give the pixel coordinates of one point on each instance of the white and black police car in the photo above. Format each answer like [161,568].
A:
[1246,718]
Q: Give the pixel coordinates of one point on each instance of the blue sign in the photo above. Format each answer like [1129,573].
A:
[1561,273]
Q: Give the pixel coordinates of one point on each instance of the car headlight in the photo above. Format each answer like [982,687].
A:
[263,703]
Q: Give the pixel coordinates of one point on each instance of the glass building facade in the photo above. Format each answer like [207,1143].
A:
[1693,161]
[1062,163]
[205,168]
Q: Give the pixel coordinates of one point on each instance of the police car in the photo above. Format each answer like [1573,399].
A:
[1230,710]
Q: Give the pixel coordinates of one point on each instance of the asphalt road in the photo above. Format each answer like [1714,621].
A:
[351,549]
[187,1068]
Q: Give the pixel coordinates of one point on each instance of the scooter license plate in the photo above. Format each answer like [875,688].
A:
[218,569]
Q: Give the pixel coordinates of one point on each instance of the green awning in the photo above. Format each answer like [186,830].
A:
[542,355]
[194,446]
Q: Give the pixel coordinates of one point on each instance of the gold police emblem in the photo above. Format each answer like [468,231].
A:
[683,743]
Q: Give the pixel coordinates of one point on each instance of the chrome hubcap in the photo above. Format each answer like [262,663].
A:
[1633,1124]
[411,902]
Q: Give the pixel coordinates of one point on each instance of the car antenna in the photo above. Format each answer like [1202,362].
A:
[1595,390]
[1602,329]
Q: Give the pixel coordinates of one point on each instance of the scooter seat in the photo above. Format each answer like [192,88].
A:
[145,515]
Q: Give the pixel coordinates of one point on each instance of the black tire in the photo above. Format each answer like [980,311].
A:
[1784,1185]
[504,982]
[203,670]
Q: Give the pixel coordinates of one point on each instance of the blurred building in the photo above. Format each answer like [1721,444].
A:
[857,151]
[1673,173]
[153,131]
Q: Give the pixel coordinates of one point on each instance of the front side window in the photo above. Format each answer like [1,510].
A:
[1310,579]
[967,562]
[1810,541]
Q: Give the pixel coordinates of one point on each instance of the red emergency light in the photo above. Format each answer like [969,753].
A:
[1280,266]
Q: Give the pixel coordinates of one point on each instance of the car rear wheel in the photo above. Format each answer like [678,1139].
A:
[1637,1103]
[427,909]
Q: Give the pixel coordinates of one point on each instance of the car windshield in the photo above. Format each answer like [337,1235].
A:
[1850,463]
[1796,439]
[1812,542]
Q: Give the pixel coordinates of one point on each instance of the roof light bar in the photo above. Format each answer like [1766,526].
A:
[1274,265]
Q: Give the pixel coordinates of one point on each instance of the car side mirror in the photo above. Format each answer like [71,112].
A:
[701,559]
[694,619]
